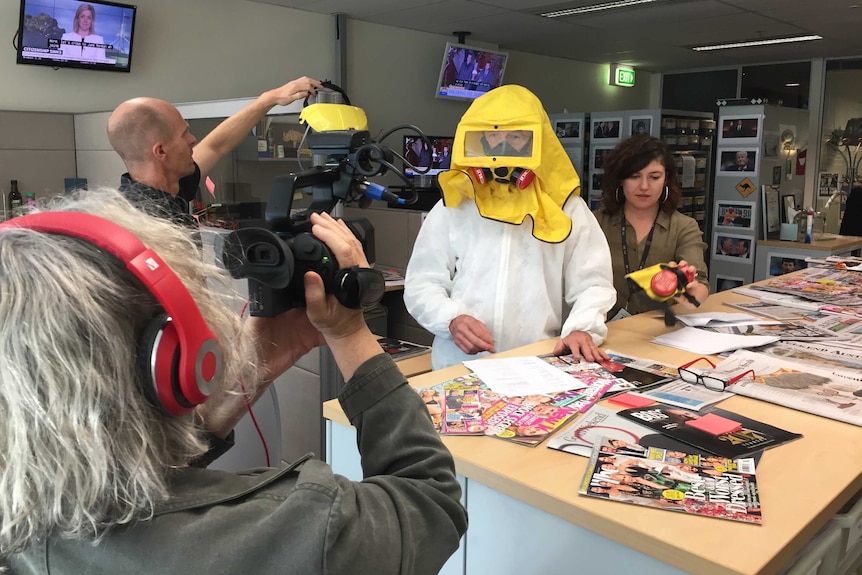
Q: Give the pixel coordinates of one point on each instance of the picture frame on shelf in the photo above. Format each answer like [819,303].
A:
[569,130]
[771,211]
[732,214]
[738,161]
[780,264]
[732,247]
[598,156]
[640,125]
[606,128]
[740,130]
[827,184]
[724,283]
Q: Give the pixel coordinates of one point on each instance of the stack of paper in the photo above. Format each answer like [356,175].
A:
[708,343]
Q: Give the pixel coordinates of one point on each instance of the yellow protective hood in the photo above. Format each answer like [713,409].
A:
[513,108]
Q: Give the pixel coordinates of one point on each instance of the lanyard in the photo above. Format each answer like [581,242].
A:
[626,249]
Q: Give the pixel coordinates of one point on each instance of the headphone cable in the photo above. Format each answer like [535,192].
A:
[248,405]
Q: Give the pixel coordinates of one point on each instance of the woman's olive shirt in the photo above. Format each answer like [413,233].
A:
[676,237]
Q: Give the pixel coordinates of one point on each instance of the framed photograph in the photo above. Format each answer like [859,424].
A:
[739,130]
[776,176]
[640,125]
[771,211]
[576,155]
[568,130]
[598,159]
[788,208]
[828,183]
[771,142]
[724,283]
[606,128]
[731,247]
[736,215]
[596,182]
[780,264]
[738,161]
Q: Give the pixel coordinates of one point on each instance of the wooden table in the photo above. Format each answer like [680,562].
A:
[526,515]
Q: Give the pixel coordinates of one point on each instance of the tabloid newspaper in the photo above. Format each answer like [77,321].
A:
[833,392]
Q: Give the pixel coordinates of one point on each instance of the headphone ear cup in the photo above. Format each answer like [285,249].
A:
[522,177]
[158,366]
[481,175]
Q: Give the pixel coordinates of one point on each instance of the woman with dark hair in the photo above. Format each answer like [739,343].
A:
[640,194]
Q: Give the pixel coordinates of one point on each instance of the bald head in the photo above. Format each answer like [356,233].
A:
[137,124]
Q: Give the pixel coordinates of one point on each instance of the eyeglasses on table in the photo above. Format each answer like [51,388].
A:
[708,380]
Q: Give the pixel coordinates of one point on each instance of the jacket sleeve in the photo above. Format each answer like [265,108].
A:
[405,516]
[588,276]
[690,247]
[430,275]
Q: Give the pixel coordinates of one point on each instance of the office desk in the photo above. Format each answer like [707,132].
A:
[526,516]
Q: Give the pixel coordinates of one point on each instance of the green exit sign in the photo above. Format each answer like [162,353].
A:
[622,76]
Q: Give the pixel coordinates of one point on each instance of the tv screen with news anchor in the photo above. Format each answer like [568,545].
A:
[95,35]
[468,72]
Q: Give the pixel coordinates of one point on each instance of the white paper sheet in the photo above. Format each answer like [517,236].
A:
[521,376]
[717,318]
[707,342]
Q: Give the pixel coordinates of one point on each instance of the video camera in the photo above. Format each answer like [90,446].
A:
[274,260]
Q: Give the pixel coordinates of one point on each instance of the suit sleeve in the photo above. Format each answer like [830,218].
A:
[588,276]
[405,516]
[430,275]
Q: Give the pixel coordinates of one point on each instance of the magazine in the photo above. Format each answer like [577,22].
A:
[620,447]
[682,394]
[628,372]
[711,491]
[399,349]
[530,420]
[753,437]
[834,392]
[600,421]
[465,406]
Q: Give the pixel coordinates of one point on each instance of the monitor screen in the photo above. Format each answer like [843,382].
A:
[95,35]
[469,72]
[438,158]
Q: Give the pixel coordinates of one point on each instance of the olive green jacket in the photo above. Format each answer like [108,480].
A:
[404,517]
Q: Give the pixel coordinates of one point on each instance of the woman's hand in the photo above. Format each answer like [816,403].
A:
[695,289]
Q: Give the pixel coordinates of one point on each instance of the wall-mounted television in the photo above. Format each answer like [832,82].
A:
[437,158]
[468,72]
[95,35]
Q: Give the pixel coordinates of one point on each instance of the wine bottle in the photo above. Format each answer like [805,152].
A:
[15,200]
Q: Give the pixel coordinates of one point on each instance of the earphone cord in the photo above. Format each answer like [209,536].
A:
[248,404]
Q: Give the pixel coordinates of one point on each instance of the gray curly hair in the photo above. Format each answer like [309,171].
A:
[81,449]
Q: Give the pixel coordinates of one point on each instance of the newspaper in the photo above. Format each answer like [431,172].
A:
[682,394]
[819,284]
[845,354]
[835,393]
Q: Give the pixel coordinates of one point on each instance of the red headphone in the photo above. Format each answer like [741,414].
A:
[180,358]
[521,177]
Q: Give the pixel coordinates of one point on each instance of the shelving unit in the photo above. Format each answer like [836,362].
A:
[756,155]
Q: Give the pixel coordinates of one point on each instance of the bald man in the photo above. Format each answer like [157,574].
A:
[164,160]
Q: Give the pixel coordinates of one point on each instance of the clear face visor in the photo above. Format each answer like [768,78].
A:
[498,143]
